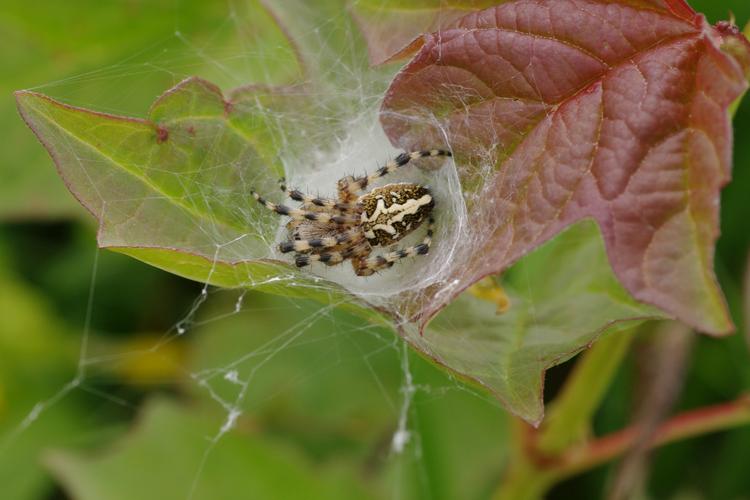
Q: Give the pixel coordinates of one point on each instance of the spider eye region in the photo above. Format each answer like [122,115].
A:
[391,212]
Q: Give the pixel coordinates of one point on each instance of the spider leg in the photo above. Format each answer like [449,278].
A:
[302,246]
[307,199]
[371,265]
[332,258]
[349,186]
[298,214]
[327,258]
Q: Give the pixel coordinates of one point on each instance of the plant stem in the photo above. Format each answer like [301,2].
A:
[524,479]
[569,417]
[530,479]
[525,482]
[682,426]
[746,302]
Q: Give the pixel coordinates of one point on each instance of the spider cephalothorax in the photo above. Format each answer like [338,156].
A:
[334,230]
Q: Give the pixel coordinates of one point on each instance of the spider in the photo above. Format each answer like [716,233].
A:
[331,231]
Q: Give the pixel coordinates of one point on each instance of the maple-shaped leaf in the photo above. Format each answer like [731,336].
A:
[559,110]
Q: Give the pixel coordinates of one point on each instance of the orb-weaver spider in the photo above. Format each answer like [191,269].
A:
[334,230]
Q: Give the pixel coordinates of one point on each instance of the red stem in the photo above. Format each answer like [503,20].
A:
[685,425]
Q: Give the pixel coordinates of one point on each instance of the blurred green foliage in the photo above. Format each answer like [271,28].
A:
[321,410]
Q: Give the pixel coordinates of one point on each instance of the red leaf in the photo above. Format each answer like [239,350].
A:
[560,110]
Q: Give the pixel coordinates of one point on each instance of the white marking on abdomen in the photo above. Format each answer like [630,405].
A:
[411,207]
[384,227]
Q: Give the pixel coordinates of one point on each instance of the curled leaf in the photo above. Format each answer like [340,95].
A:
[548,126]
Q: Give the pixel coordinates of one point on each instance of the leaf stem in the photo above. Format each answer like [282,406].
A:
[531,474]
[682,426]
[525,482]
[524,479]
[570,415]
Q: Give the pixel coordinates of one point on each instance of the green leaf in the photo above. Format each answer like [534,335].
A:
[325,39]
[391,27]
[563,296]
[170,455]
[302,378]
[336,389]
[174,190]
[111,67]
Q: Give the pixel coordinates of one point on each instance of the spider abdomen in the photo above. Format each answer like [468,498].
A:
[391,212]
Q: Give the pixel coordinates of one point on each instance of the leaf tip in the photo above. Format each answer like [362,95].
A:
[734,42]
[25,103]
[24,98]
[682,9]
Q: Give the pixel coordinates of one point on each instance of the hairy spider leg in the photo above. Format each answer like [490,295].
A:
[349,236]
[371,265]
[349,186]
[298,214]
[328,203]
[332,258]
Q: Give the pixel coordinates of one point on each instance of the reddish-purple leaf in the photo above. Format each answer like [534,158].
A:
[393,28]
[560,110]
